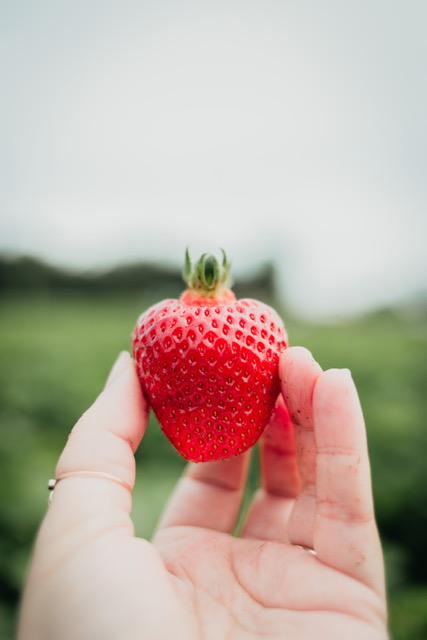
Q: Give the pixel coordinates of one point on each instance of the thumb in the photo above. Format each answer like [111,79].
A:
[100,448]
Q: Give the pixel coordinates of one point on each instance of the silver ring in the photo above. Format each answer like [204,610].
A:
[51,485]
[309,549]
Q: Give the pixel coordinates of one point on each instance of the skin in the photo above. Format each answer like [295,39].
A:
[90,578]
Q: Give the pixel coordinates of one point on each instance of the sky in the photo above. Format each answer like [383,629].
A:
[292,131]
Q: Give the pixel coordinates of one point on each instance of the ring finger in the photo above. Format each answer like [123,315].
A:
[272,505]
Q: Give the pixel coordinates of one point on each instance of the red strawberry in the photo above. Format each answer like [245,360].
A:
[208,364]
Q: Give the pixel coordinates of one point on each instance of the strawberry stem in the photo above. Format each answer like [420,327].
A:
[209,277]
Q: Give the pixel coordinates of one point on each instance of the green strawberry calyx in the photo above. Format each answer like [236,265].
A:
[209,277]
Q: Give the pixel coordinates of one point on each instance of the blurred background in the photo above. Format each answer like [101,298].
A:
[293,135]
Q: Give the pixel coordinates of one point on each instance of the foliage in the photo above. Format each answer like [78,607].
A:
[25,273]
[56,350]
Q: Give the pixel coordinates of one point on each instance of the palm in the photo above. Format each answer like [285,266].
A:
[233,588]
[196,580]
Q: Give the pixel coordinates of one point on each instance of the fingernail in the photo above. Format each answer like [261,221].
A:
[118,367]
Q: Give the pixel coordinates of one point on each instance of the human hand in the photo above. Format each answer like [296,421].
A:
[91,578]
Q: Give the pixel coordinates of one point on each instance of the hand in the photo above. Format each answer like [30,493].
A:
[91,578]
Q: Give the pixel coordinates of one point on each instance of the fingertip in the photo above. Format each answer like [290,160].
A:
[122,364]
[296,352]
[298,373]
[121,406]
[279,426]
[334,382]
[336,373]
[296,357]
[123,379]
[337,408]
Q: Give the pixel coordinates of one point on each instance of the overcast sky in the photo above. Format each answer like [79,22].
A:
[287,129]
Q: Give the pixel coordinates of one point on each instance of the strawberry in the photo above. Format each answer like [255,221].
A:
[208,364]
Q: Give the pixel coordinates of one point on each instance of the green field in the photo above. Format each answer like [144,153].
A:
[56,351]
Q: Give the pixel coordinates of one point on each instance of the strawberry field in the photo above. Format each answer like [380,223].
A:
[56,351]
